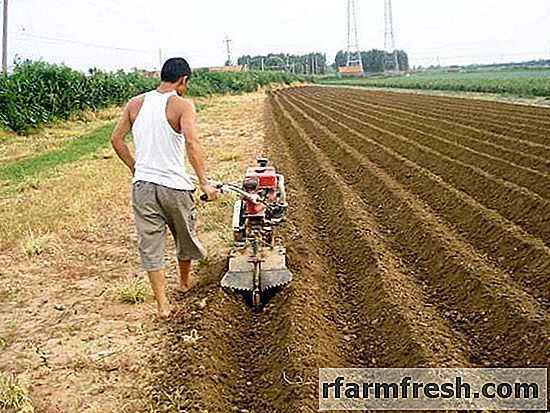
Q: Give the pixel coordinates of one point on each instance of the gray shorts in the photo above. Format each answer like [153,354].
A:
[157,207]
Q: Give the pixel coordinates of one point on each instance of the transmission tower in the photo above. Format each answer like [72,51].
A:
[389,38]
[229,61]
[353,51]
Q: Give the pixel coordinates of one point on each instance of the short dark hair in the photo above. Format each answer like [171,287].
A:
[175,68]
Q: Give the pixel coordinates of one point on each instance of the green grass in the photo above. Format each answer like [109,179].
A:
[34,166]
[517,82]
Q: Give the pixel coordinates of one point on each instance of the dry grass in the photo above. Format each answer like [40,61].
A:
[134,291]
[69,266]
[35,244]
[14,396]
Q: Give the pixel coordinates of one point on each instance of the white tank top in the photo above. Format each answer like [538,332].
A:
[160,150]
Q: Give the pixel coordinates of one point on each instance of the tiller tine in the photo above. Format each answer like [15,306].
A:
[241,274]
[273,270]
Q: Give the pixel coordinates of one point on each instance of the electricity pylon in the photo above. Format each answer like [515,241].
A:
[353,51]
[389,38]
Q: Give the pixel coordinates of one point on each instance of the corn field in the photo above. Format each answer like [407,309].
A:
[37,92]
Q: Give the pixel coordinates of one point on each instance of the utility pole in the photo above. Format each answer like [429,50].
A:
[5,39]
[160,59]
[228,41]
[314,64]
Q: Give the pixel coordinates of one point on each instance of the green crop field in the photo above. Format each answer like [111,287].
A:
[519,82]
[37,92]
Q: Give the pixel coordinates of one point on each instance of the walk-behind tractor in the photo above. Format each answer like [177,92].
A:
[257,261]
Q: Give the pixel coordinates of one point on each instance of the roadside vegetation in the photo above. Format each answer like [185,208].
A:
[37,93]
[518,82]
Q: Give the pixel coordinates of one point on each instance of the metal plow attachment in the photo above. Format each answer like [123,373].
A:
[242,269]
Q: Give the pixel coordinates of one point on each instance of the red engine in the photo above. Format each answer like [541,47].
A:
[267,208]
[261,180]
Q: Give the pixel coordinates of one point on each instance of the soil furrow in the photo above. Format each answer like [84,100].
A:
[524,208]
[428,108]
[529,179]
[485,147]
[530,131]
[490,232]
[388,297]
[517,112]
[469,290]
[509,141]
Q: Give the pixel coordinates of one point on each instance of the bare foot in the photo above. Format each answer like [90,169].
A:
[164,311]
[184,288]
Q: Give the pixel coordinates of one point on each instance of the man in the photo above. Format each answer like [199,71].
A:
[164,128]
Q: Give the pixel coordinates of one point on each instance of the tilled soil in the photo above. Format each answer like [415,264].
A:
[419,236]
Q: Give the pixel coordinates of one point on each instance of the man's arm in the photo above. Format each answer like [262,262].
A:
[188,125]
[117,139]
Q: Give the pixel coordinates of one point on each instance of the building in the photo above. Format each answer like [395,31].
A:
[351,71]
[238,68]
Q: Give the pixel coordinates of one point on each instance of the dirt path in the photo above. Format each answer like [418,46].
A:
[68,257]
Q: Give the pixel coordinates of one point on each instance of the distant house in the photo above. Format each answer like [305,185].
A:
[149,73]
[351,71]
[238,68]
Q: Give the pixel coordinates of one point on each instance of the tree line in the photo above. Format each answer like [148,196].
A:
[307,64]
[374,61]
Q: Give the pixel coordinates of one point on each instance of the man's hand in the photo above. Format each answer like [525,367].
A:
[211,192]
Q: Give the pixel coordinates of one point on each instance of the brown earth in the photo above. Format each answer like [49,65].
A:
[417,238]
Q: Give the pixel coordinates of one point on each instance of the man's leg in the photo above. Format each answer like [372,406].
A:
[151,229]
[181,219]
[186,280]
[158,284]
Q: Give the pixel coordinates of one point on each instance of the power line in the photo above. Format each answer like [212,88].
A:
[81,43]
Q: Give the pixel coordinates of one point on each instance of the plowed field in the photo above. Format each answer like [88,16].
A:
[419,235]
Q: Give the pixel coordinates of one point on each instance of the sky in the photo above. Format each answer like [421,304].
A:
[123,34]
